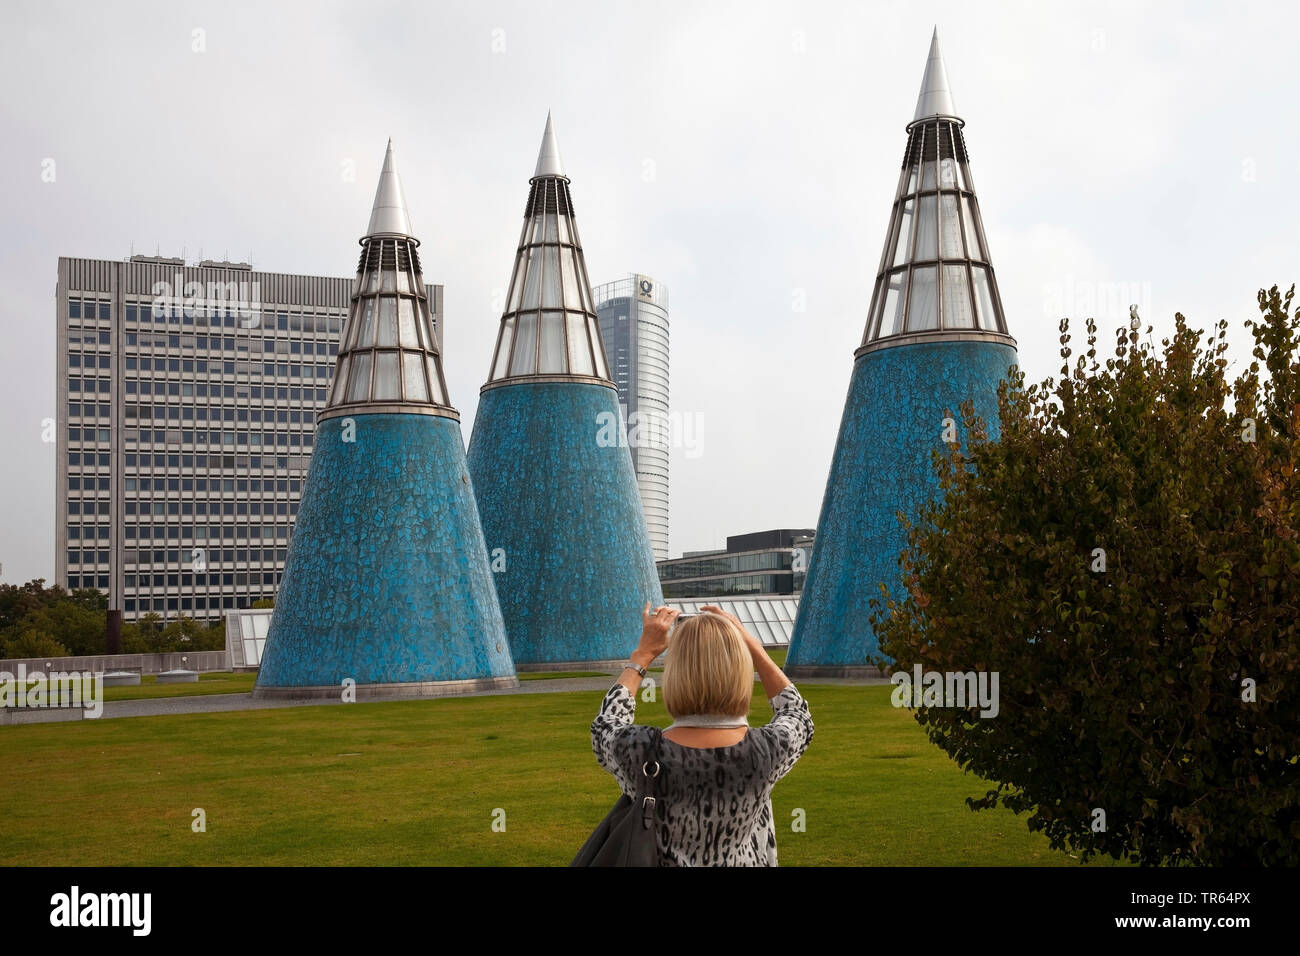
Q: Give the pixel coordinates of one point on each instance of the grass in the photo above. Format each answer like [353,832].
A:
[225,682]
[417,783]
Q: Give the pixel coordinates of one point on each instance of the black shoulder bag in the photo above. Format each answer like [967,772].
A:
[629,834]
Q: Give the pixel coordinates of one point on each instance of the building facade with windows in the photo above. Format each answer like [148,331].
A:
[633,314]
[761,563]
[186,399]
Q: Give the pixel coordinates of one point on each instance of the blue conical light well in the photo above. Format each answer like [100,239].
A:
[556,490]
[935,337]
[387,583]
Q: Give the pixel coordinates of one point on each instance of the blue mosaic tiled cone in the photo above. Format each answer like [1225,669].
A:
[556,492]
[387,582]
[935,337]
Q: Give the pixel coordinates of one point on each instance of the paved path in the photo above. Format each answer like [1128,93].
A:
[215,703]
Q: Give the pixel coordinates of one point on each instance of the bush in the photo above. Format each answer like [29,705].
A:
[1127,558]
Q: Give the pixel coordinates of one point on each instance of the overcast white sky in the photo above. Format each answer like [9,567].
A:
[744,154]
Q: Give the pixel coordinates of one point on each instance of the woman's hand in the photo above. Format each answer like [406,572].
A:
[754,644]
[655,626]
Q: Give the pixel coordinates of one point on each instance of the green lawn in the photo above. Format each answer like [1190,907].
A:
[217,682]
[416,782]
[225,682]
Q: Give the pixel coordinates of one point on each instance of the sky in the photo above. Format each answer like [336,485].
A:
[745,155]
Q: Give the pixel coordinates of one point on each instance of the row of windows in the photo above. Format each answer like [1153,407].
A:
[89,385]
[85,410]
[726,564]
[87,557]
[255,392]
[87,532]
[87,484]
[250,439]
[89,337]
[747,584]
[90,458]
[290,485]
[215,344]
[192,580]
[204,367]
[91,360]
[256,507]
[76,506]
[252,319]
[216,461]
[280,463]
[202,532]
[76,310]
[146,557]
[229,413]
[188,604]
[88,581]
[79,410]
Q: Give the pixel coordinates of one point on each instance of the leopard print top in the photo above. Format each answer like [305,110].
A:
[715,806]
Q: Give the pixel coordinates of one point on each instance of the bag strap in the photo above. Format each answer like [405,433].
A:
[648,797]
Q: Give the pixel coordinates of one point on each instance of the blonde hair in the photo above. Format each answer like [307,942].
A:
[708,669]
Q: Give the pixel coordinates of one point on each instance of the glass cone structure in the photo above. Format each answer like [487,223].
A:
[935,274]
[387,582]
[556,491]
[935,337]
[549,326]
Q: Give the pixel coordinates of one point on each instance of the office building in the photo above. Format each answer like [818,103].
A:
[633,314]
[761,563]
[186,401]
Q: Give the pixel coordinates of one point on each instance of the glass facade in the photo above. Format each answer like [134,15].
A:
[935,273]
[390,352]
[549,323]
[722,573]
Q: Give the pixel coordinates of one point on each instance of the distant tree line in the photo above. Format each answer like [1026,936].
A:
[40,621]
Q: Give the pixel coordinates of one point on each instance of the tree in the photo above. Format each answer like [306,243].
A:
[1127,558]
[75,620]
[33,643]
[145,636]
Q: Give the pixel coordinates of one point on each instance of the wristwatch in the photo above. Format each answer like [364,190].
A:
[636,667]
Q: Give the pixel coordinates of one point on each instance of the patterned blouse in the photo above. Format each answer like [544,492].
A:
[715,806]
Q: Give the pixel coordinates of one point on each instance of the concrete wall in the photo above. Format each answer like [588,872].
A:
[144,663]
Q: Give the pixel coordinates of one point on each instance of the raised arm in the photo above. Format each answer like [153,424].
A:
[618,709]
